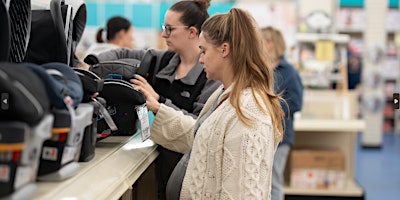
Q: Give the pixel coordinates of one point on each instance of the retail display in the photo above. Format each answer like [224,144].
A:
[353,21]
[59,21]
[328,120]
[118,164]
[321,168]
[120,96]
[319,22]
[91,85]
[55,126]
[323,60]
[391,73]
[25,124]
[60,153]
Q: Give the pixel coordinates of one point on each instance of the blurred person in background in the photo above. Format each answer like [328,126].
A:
[118,33]
[288,83]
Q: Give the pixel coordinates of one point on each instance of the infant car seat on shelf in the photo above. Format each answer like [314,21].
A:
[119,94]
[63,23]
[25,123]
[60,153]
[91,85]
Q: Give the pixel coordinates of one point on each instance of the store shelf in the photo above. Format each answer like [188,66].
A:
[313,37]
[329,121]
[330,125]
[118,163]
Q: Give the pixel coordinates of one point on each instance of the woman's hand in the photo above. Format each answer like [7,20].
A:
[82,65]
[140,84]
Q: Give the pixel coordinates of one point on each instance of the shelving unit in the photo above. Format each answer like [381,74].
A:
[328,119]
[390,74]
[353,21]
[397,89]
[331,67]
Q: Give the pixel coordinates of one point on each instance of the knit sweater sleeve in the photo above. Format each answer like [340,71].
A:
[173,129]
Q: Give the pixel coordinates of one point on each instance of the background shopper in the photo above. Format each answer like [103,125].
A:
[118,33]
[287,82]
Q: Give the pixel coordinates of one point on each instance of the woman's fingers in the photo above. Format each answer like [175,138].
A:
[142,82]
[140,78]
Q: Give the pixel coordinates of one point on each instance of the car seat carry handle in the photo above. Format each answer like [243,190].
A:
[148,62]
[126,93]
[79,18]
[91,83]
[122,69]
[55,10]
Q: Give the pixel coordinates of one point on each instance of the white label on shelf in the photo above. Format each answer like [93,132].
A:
[50,153]
[68,154]
[4,173]
[24,175]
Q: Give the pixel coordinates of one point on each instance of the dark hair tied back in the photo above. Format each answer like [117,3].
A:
[113,26]
[204,4]
[99,35]
[194,12]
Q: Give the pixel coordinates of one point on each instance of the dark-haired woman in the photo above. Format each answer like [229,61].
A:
[118,33]
[179,81]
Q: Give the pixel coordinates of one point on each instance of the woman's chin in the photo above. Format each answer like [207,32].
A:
[170,48]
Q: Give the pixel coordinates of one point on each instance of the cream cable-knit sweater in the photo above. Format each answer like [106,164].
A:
[228,160]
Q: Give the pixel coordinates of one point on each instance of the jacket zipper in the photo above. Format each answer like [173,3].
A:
[116,62]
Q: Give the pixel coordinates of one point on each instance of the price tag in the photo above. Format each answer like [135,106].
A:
[143,116]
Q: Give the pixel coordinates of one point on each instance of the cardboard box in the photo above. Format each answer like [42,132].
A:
[317,169]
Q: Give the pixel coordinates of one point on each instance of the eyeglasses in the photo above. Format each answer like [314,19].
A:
[168,28]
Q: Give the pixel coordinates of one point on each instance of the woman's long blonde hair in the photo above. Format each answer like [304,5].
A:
[249,63]
[275,36]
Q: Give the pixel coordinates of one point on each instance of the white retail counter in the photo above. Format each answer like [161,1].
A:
[329,120]
[118,163]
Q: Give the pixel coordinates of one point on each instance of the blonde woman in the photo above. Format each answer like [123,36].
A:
[229,148]
[287,82]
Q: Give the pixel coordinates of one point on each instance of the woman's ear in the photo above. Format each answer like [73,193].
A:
[193,32]
[225,49]
[120,34]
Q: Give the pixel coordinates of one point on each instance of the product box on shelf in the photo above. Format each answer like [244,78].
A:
[317,169]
